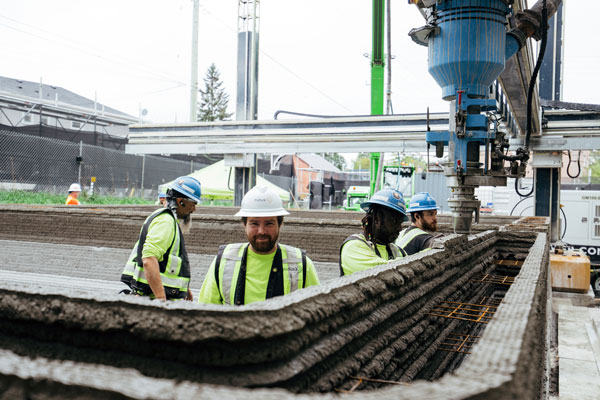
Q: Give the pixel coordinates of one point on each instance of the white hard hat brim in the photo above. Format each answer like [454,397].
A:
[262,213]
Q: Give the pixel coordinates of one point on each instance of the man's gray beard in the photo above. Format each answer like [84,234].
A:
[186,224]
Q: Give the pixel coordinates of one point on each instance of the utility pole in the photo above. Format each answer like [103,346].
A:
[247,91]
[194,80]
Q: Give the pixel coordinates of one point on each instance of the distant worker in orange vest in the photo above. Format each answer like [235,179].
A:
[74,191]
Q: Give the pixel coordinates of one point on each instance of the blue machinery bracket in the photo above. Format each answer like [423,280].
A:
[471,126]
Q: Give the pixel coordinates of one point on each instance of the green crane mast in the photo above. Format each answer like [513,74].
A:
[377,81]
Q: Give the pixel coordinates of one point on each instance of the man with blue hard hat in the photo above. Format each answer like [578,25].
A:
[162,199]
[158,266]
[420,234]
[375,245]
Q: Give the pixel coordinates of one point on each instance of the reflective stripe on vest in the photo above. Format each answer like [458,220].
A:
[407,237]
[231,262]
[175,285]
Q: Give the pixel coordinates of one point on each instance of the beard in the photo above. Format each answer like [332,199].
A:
[263,243]
[386,236]
[186,224]
[429,227]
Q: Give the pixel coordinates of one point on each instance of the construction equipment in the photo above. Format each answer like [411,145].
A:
[468,47]
[355,195]
[398,177]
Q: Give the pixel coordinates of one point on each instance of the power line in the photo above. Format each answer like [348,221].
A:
[206,11]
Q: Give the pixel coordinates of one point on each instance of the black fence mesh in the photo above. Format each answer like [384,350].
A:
[47,164]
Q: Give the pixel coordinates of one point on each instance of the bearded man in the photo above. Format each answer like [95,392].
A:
[244,273]
[158,266]
[419,236]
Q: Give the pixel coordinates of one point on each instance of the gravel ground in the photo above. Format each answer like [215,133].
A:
[90,268]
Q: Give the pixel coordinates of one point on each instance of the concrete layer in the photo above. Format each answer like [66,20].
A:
[320,233]
[86,267]
[314,339]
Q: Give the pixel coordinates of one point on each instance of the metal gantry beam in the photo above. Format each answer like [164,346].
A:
[563,130]
[336,135]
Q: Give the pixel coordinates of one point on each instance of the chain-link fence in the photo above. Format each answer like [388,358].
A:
[49,165]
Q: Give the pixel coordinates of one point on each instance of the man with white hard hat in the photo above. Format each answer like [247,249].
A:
[244,273]
[74,191]
[420,235]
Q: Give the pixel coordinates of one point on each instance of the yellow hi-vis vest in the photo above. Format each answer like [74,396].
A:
[174,267]
[288,272]
[394,251]
[413,239]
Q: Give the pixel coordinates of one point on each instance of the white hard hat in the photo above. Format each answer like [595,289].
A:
[75,187]
[261,201]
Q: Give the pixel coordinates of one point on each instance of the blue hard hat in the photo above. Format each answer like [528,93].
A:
[389,198]
[187,186]
[162,195]
[422,202]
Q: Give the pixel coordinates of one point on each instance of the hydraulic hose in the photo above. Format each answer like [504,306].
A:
[536,70]
[519,193]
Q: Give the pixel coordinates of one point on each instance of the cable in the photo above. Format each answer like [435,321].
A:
[564,219]
[314,115]
[519,202]
[578,165]
[561,210]
[519,193]
[523,210]
[538,64]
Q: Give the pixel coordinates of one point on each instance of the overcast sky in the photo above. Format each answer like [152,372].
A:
[135,54]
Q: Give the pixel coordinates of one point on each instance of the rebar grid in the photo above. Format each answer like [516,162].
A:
[496,279]
[459,343]
[490,301]
[509,263]
[464,311]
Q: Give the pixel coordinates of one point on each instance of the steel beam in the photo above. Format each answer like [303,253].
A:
[339,135]
[563,130]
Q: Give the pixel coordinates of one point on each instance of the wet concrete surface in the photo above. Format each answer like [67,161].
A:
[95,268]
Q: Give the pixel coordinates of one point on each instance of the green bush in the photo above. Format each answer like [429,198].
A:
[25,197]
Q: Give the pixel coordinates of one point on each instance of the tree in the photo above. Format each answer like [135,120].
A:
[362,162]
[413,160]
[336,159]
[213,99]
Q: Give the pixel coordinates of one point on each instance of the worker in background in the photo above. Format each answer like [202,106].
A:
[375,246]
[421,233]
[74,191]
[162,199]
[244,273]
[158,266]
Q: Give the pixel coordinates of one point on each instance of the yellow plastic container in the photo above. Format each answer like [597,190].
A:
[570,272]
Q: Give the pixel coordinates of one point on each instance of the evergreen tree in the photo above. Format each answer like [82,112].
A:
[213,99]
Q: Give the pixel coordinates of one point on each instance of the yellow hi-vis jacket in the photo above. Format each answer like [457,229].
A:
[239,276]
[173,262]
[359,254]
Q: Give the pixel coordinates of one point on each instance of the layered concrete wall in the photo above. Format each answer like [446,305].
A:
[319,233]
[370,324]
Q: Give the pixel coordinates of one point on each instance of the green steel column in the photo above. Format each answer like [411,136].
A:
[377,71]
